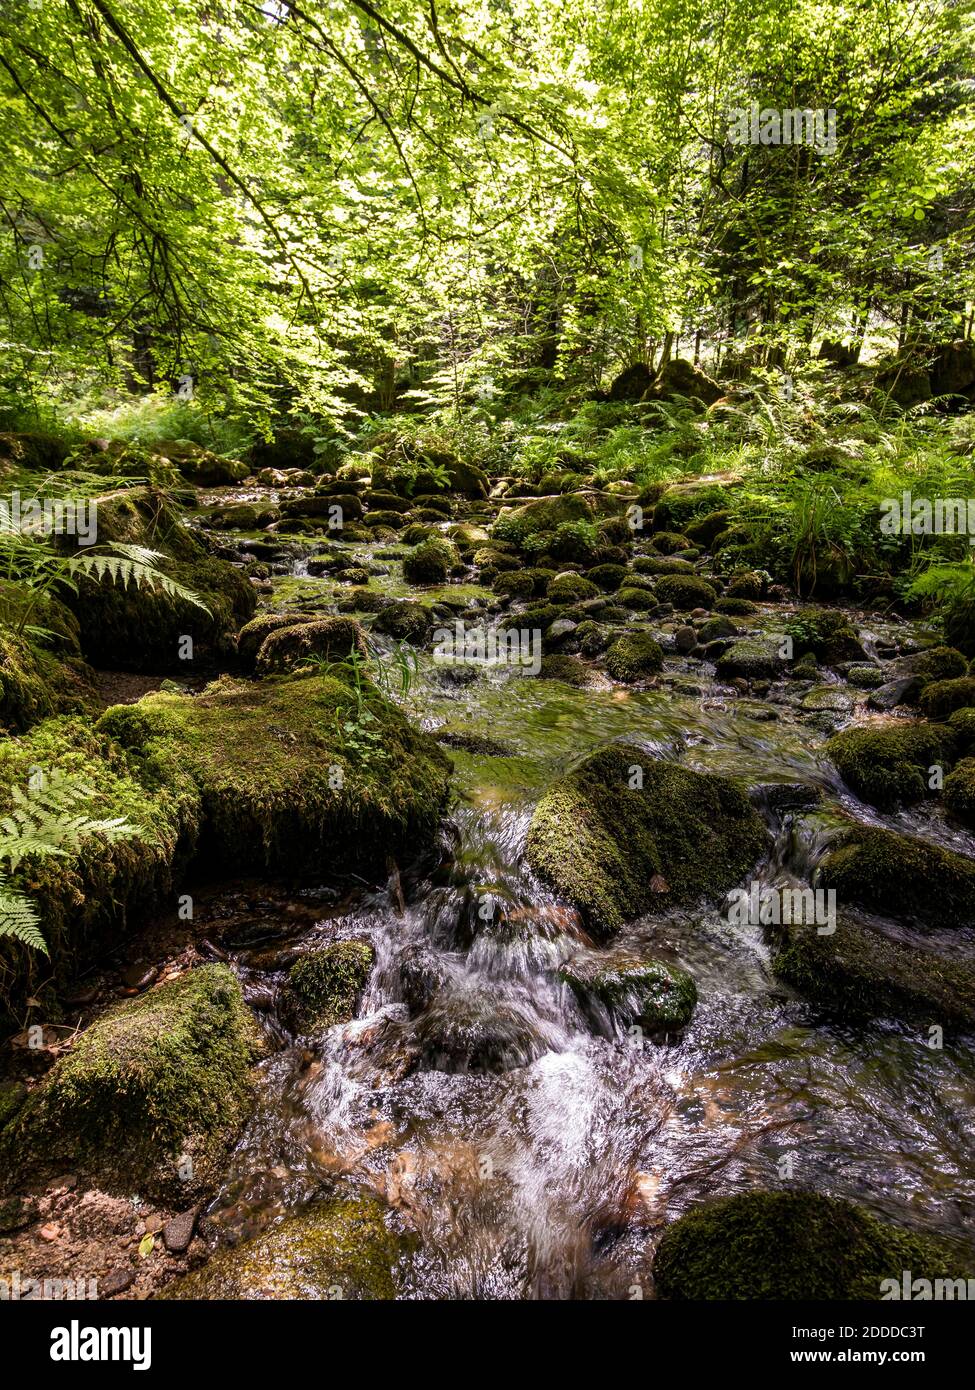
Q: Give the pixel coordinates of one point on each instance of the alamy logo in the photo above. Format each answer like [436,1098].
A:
[16,1288]
[926,1290]
[908,515]
[520,648]
[759,905]
[755,125]
[77,1343]
[62,516]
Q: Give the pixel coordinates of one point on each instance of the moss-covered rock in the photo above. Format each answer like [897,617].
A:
[431,561]
[959,792]
[753,658]
[685,591]
[155,1081]
[518,585]
[327,639]
[861,972]
[323,987]
[607,577]
[826,633]
[37,681]
[615,849]
[405,621]
[339,1249]
[284,782]
[251,636]
[901,877]
[962,727]
[545,514]
[89,898]
[662,564]
[941,698]
[568,669]
[570,588]
[140,628]
[791,1245]
[671,542]
[637,600]
[886,764]
[634,657]
[933,664]
[657,996]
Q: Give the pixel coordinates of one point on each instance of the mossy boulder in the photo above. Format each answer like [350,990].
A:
[959,792]
[607,577]
[753,658]
[634,657]
[662,564]
[338,1249]
[637,599]
[652,993]
[685,591]
[933,664]
[518,585]
[139,627]
[791,1245]
[324,639]
[861,972]
[404,621]
[283,781]
[251,636]
[827,634]
[90,897]
[900,877]
[37,681]
[200,465]
[615,849]
[155,1081]
[323,987]
[568,669]
[544,514]
[431,561]
[941,698]
[886,764]
[570,588]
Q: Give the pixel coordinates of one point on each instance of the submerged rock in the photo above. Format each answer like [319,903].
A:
[624,834]
[339,1249]
[784,1245]
[475,1030]
[150,1096]
[658,996]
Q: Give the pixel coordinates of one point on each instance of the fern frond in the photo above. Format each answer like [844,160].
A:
[122,569]
[19,918]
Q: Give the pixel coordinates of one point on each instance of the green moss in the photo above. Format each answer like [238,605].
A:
[518,585]
[861,972]
[661,564]
[614,851]
[826,633]
[900,877]
[607,577]
[329,639]
[633,657]
[959,625]
[942,698]
[734,607]
[338,1249]
[657,996]
[962,726]
[959,792]
[323,987]
[431,561]
[88,900]
[887,764]
[638,600]
[546,514]
[282,782]
[407,622]
[936,664]
[570,588]
[251,636]
[685,591]
[567,669]
[785,1245]
[154,1080]
[670,542]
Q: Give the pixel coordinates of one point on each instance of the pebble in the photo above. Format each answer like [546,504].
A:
[116,1282]
[178,1231]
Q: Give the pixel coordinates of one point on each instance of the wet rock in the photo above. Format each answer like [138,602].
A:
[658,996]
[603,834]
[900,877]
[787,796]
[752,658]
[560,629]
[685,638]
[827,634]
[784,1245]
[431,561]
[634,657]
[476,1030]
[118,1281]
[323,988]
[340,1249]
[941,698]
[865,677]
[830,699]
[423,973]
[886,764]
[890,694]
[407,622]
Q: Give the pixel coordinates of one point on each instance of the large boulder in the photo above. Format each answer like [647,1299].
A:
[892,874]
[887,763]
[624,834]
[631,383]
[792,1245]
[342,1248]
[680,378]
[149,1097]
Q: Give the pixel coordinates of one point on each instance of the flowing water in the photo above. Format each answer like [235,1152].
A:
[536,1149]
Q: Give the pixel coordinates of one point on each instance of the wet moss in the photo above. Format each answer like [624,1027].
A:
[860,972]
[615,850]
[900,877]
[657,996]
[633,657]
[152,1082]
[887,764]
[324,639]
[785,1245]
[567,669]
[685,591]
[282,780]
[826,633]
[570,588]
[323,987]
[959,792]
[942,698]
[342,1248]
[431,561]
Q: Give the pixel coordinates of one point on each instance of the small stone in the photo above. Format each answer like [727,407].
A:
[117,1282]
[178,1231]
[49,1232]
[686,639]
[139,976]
[154,1225]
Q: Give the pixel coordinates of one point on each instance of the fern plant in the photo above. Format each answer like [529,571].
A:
[47,820]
